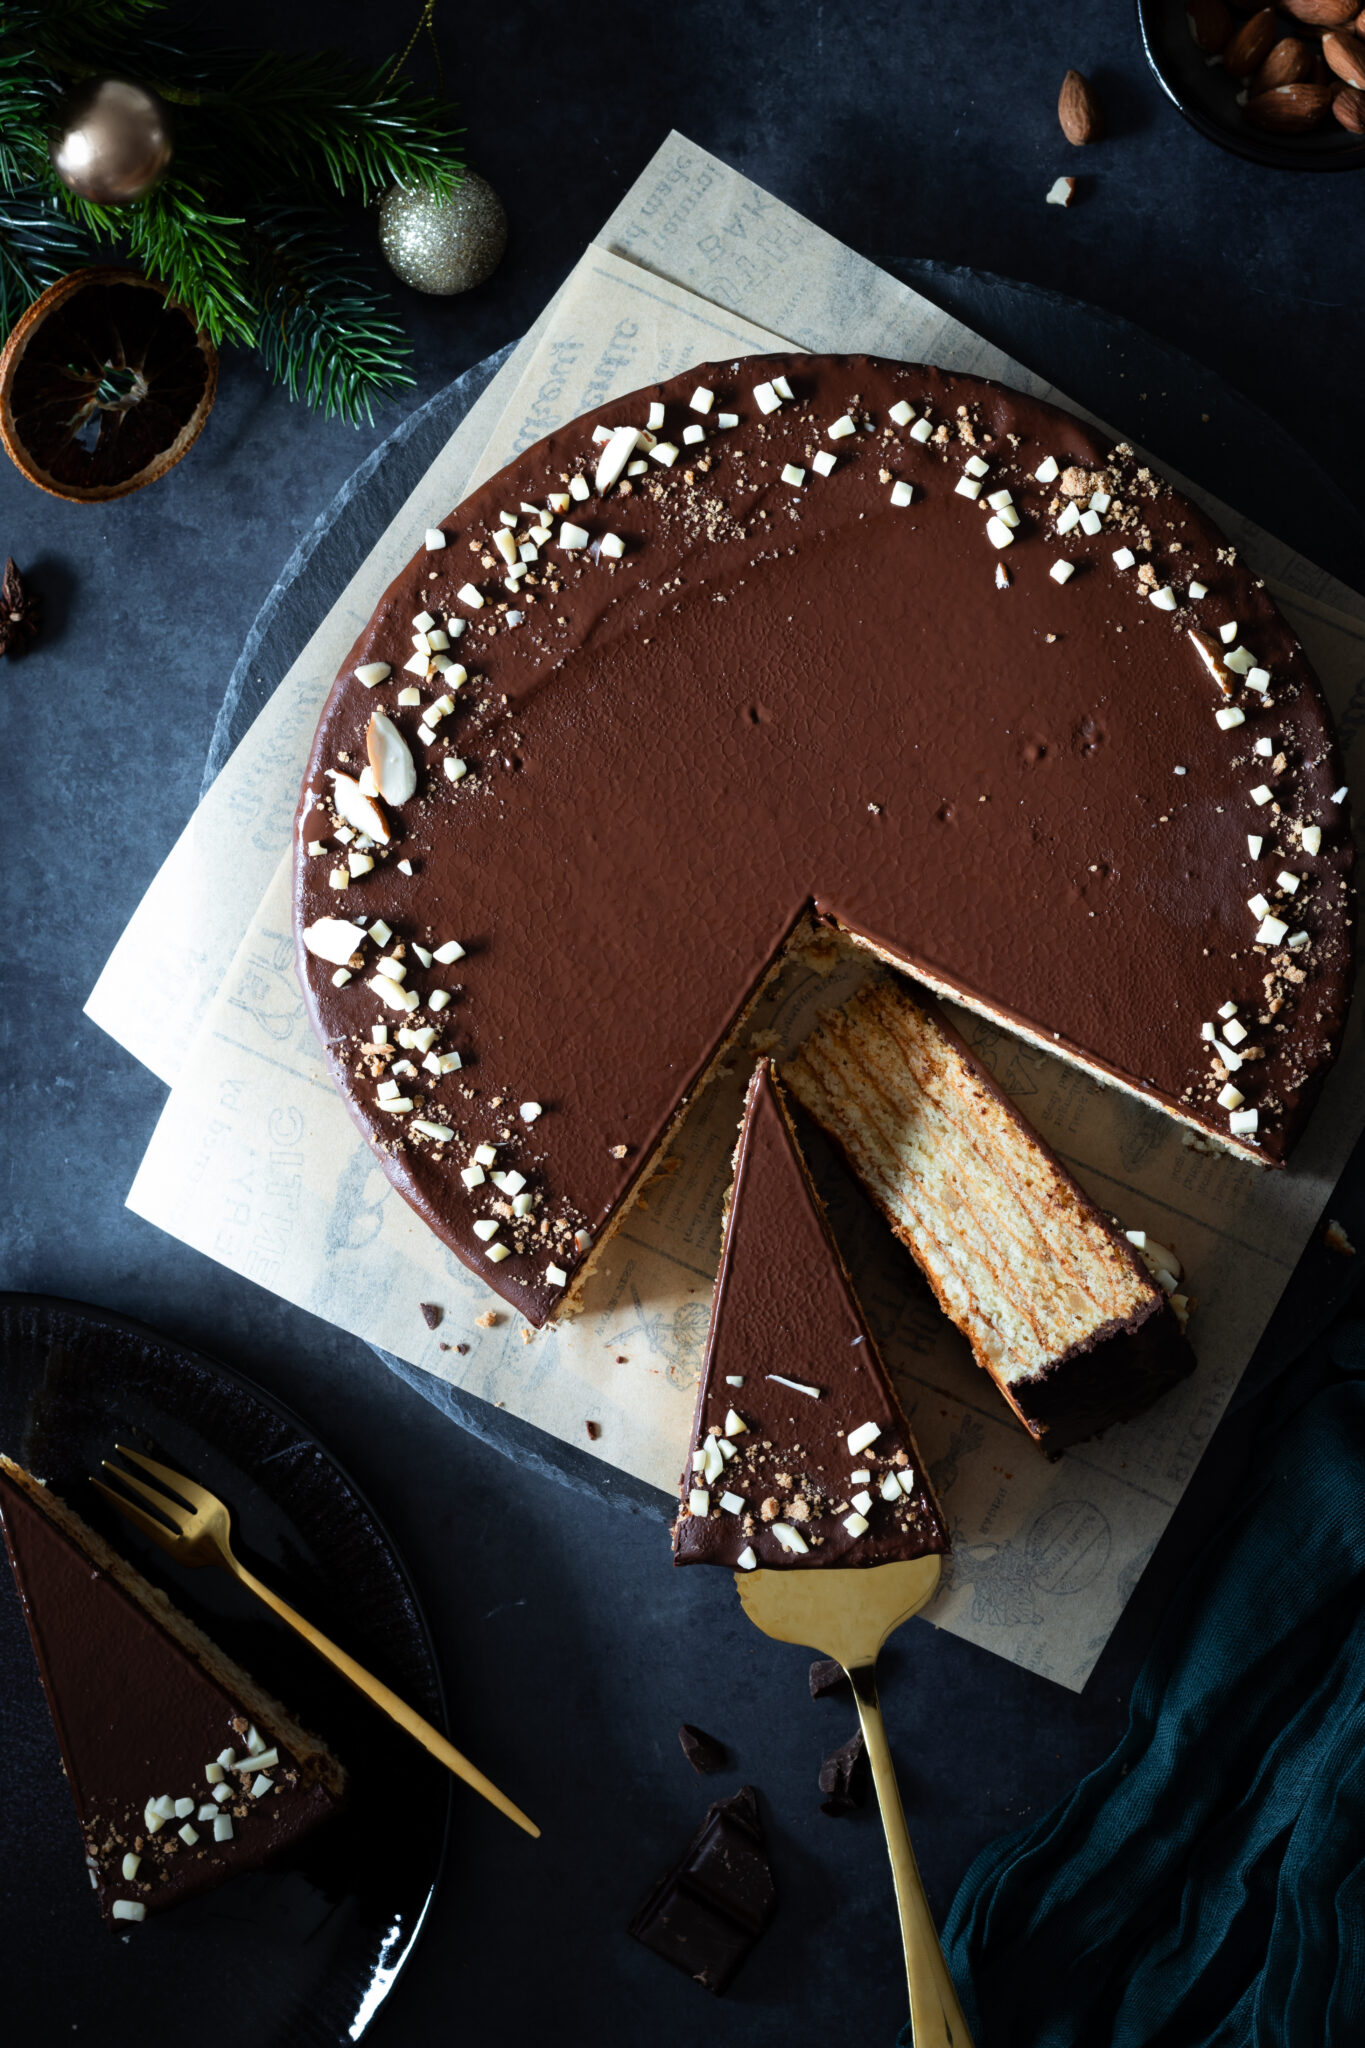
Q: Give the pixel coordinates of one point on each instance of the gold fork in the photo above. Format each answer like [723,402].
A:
[848,1615]
[201,1534]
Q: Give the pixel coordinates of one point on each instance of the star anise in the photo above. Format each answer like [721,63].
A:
[20,611]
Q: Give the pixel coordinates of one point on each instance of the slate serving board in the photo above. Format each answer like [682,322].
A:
[1179,409]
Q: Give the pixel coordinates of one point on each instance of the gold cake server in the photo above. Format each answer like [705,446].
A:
[848,1615]
[201,1534]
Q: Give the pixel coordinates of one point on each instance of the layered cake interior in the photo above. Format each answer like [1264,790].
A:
[183,1770]
[801,1454]
[926,659]
[1058,1305]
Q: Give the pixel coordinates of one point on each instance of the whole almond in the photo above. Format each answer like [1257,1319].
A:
[1321,13]
[1210,24]
[1252,44]
[1346,55]
[1289,109]
[1078,110]
[1349,107]
[1290,62]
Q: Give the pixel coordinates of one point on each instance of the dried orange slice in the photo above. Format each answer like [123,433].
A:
[105,383]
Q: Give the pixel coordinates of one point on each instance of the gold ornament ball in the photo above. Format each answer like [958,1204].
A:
[443,245]
[114,141]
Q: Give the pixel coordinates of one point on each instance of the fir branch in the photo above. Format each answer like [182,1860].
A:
[27,93]
[320,119]
[193,250]
[38,244]
[77,34]
[324,331]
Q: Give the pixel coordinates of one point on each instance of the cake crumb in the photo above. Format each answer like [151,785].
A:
[1336,1240]
[594,1430]
[489,1320]
[431,1313]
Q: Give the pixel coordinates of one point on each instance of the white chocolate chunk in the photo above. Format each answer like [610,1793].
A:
[998,533]
[794,475]
[128,1909]
[556,1276]
[699,1503]
[1124,558]
[1062,572]
[859,1439]
[856,1524]
[862,1501]
[967,487]
[371,672]
[1230,1097]
[783,388]
[1243,1122]
[333,939]
[498,1252]
[1229,716]
[921,430]
[1272,931]
[529,1111]
[486,1228]
[891,1489]
[733,1503]
[901,413]
[451,950]
[1311,838]
[1069,516]
[1261,794]
[473,1176]
[468,594]
[1091,522]
[613,547]
[976,467]
[1164,599]
[902,493]
[1254,844]
[790,1538]
[572,537]
[1047,471]
[823,462]
[702,400]
[1227,634]
[579,489]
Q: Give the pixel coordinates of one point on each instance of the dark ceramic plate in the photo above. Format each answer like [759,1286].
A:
[1207,97]
[301,1956]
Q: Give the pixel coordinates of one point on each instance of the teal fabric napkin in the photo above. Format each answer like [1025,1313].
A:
[1205,1886]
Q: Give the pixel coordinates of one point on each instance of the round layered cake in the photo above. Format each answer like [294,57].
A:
[797,639]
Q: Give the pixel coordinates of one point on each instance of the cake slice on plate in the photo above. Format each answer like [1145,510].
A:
[1056,1302]
[801,1453]
[183,1771]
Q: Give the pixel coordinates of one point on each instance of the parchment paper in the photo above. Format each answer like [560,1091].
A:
[256,1162]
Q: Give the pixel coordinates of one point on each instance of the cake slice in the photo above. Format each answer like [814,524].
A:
[1056,1303]
[801,1454]
[183,1771]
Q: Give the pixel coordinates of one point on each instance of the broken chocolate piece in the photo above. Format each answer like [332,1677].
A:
[431,1313]
[828,1679]
[703,1752]
[594,1430]
[843,1777]
[707,1913]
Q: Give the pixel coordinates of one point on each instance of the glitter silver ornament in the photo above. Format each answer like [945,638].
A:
[114,141]
[443,245]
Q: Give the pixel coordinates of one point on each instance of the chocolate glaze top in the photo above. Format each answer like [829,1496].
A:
[784,1305]
[138,1717]
[793,695]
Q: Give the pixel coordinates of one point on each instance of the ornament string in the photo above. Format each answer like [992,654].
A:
[425,20]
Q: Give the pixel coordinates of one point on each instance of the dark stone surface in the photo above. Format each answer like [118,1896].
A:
[571,1651]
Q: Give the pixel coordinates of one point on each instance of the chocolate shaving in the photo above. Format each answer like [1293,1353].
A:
[703,1752]
[828,1680]
[594,1430]
[843,1777]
